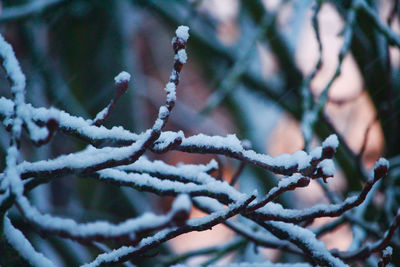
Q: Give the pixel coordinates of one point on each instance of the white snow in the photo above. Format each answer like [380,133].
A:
[230,142]
[102,113]
[331,141]
[14,72]
[195,173]
[11,172]
[122,77]
[36,133]
[170,88]
[88,157]
[182,202]
[317,247]
[301,158]
[165,234]
[173,75]
[145,180]
[382,162]
[276,209]
[17,239]
[182,56]
[158,125]
[163,112]
[328,167]
[6,107]
[111,256]
[86,230]
[11,65]
[387,251]
[289,180]
[182,32]
[316,153]
[167,138]
[70,122]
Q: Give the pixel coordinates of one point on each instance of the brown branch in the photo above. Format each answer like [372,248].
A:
[121,86]
[52,126]
[283,186]
[152,242]
[130,231]
[334,210]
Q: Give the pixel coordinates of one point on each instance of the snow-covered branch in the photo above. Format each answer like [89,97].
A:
[195,224]
[130,231]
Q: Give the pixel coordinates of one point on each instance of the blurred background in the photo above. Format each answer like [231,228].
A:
[248,61]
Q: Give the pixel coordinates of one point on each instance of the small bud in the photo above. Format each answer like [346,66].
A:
[122,77]
[178,66]
[328,152]
[180,217]
[246,144]
[381,168]
[182,56]
[182,32]
[121,83]
[303,182]
[181,209]
[327,167]
[177,44]
[52,125]
[329,146]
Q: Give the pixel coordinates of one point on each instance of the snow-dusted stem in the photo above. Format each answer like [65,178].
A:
[197,224]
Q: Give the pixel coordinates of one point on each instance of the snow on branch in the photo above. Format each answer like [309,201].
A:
[20,114]
[130,231]
[284,185]
[196,224]
[71,125]
[306,240]
[164,187]
[284,164]
[187,173]
[16,238]
[274,211]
